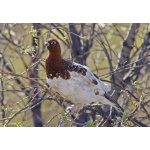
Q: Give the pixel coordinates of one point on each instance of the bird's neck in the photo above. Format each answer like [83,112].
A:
[55,53]
[54,56]
[54,59]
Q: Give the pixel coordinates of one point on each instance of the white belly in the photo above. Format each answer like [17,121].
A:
[78,89]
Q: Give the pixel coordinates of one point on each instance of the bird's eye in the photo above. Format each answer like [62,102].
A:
[54,42]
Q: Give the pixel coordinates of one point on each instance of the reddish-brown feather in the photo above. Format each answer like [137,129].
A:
[56,66]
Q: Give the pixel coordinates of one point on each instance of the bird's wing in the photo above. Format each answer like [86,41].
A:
[90,79]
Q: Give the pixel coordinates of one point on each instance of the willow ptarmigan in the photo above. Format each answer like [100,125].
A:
[71,80]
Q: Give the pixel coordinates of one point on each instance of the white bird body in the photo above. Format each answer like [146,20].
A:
[80,88]
[73,81]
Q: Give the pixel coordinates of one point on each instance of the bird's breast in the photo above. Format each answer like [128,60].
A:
[78,88]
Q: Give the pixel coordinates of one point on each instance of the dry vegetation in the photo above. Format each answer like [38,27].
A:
[117,53]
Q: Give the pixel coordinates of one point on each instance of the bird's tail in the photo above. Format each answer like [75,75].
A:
[112,102]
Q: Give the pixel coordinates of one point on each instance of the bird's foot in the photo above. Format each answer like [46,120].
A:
[73,109]
[70,109]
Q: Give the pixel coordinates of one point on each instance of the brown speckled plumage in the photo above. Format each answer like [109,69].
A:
[77,69]
[94,81]
[56,66]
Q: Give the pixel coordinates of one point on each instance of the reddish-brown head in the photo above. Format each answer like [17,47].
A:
[53,46]
[55,65]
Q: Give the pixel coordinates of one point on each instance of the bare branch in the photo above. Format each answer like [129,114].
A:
[124,58]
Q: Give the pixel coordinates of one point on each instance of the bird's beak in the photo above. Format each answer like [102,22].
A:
[46,44]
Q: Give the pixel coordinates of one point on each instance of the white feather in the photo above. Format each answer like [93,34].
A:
[80,88]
